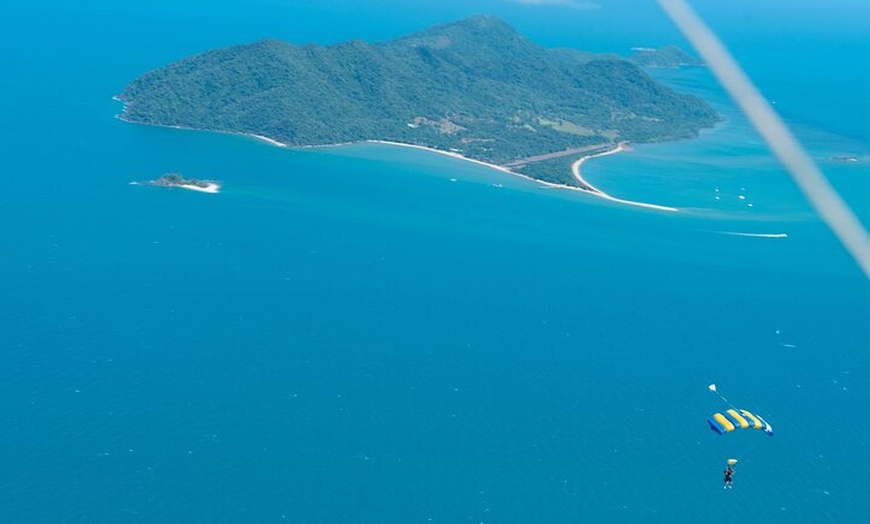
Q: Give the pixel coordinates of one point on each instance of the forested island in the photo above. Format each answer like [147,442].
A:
[474,87]
[176,180]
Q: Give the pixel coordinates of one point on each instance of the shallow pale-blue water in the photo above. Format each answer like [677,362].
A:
[379,334]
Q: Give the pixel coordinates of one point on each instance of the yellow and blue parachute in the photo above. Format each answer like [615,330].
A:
[733,419]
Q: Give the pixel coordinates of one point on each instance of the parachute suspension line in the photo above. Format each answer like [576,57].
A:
[749,450]
[712,387]
[725,400]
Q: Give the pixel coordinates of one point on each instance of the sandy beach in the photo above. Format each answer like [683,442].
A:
[210,187]
[265,139]
[575,168]
[482,163]
[622,146]
[586,187]
[448,153]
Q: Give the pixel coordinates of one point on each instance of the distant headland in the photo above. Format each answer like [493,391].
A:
[176,180]
[665,57]
[474,88]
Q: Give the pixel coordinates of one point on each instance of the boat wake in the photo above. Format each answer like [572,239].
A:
[755,235]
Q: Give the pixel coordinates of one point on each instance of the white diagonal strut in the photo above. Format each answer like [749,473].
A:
[809,178]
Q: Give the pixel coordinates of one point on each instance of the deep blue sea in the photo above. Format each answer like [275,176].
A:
[347,335]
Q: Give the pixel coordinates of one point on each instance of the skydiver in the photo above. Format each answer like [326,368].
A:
[729,471]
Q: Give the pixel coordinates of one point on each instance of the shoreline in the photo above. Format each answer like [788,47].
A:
[266,139]
[622,146]
[447,153]
[262,138]
[497,167]
[210,187]
[585,187]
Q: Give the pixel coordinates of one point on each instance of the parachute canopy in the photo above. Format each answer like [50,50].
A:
[712,387]
[726,422]
[731,462]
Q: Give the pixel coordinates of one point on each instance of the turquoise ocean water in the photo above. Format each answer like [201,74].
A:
[348,335]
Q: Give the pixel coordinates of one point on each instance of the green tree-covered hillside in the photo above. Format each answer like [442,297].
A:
[475,86]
